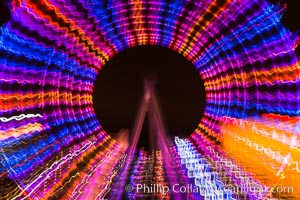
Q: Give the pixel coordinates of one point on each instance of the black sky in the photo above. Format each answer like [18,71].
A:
[119,89]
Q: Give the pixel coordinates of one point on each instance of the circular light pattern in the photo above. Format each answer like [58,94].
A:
[51,52]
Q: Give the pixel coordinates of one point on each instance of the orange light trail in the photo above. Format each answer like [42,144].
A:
[17,132]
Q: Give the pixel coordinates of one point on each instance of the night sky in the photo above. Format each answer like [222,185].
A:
[119,89]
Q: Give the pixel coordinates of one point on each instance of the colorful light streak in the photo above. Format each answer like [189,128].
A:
[206,179]
[149,171]
[233,175]
[277,148]
[50,55]
[19,117]
[16,132]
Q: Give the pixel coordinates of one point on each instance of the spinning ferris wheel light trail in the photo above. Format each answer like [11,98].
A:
[54,146]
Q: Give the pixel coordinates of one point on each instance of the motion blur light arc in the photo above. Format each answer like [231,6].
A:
[51,52]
